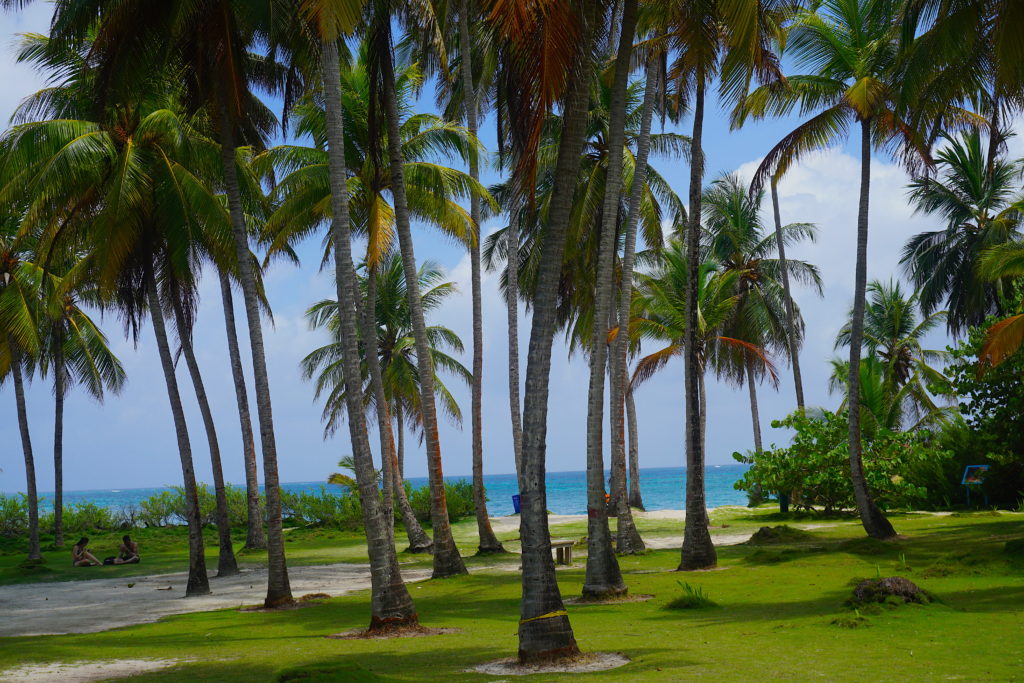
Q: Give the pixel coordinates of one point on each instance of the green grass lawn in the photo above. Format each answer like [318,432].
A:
[776,605]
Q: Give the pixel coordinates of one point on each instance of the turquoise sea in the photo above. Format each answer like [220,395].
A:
[663,488]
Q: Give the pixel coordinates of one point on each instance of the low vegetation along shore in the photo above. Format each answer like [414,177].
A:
[780,606]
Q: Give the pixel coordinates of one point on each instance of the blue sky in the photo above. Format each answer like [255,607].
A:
[129,441]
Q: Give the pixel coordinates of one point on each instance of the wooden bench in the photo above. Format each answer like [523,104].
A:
[563,551]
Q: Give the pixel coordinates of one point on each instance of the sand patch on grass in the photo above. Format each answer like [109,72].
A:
[57,607]
[82,672]
[585,663]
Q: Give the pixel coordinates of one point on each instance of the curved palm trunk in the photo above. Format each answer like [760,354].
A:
[875,523]
[512,293]
[791,341]
[34,552]
[419,542]
[447,561]
[59,390]
[635,499]
[254,538]
[754,413]
[198,582]
[603,577]
[698,552]
[279,591]
[226,563]
[489,543]
[544,628]
[391,605]
[628,539]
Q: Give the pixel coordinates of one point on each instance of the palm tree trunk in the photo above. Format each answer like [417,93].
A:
[603,577]
[226,563]
[512,293]
[791,339]
[419,542]
[754,415]
[635,499]
[391,604]
[279,590]
[698,552]
[255,538]
[489,543]
[544,629]
[59,390]
[447,561]
[628,539]
[34,552]
[198,583]
[875,523]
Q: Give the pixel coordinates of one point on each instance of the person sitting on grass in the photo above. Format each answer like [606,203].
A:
[128,553]
[81,557]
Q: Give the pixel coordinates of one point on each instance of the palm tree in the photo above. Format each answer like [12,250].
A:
[736,239]
[397,362]
[982,208]
[729,40]
[19,339]
[851,49]
[660,314]
[489,543]
[77,352]
[210,43]
[136,225]
[544,629]
[901,369]
[603,577]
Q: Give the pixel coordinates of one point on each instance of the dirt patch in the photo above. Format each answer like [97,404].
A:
[82,672]
[580,600]
[585,663]
[404,632]
[56,607]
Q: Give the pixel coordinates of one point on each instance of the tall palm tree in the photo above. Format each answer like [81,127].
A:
[489,543]
[210,42]
[982,207]
[736,239]
[603,577]
[728,40]
[562,40]
[397,362]
[77,352]
[852,49]
[894,329]
[19,339]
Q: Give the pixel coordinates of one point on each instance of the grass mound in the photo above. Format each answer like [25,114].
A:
[780,535]
[693,597]
[891,589]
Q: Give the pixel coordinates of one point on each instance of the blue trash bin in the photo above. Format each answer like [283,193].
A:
[515,503]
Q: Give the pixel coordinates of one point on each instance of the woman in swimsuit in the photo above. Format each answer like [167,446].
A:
[80,557]
[128,553]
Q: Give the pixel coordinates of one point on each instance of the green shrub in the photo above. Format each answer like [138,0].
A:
[815,469]
[13,515]
[322,509]
[459,495]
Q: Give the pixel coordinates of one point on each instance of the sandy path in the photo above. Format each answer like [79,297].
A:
[99,604]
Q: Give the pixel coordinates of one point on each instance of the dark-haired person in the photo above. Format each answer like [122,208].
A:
[81,557]
[128,553]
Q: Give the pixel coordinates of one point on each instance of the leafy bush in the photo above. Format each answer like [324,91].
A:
[459,495]
[158,510]
[168,507]
[815,469]
[322,509]
[82,517]
[991,431]
[13,515]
